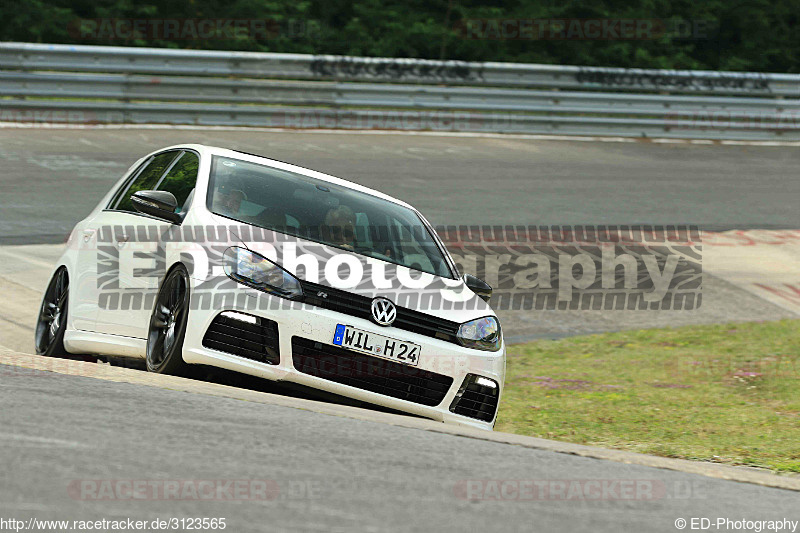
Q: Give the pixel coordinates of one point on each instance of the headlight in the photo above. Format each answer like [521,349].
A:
[260,273]
[482,334]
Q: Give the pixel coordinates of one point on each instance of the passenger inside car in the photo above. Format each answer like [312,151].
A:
[228,200]
[339,227]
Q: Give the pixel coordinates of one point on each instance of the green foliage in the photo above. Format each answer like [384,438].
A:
[742,35]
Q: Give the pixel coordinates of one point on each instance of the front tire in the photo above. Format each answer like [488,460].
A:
[168,324]
[52,321]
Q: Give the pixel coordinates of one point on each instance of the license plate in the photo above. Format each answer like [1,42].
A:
[374,344]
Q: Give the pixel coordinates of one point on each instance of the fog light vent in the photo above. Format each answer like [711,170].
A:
[477,398]
[244,335]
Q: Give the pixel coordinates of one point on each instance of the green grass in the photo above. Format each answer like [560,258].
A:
[725,393]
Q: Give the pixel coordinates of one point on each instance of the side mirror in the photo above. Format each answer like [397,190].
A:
[478,286]
[160,204]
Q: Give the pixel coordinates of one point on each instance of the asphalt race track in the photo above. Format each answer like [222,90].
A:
[333,473]
[338,473]
[51,178]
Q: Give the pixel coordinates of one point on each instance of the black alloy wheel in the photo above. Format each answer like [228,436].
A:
[52,321]
[168,324]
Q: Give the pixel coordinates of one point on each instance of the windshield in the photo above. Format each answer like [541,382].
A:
[319,211]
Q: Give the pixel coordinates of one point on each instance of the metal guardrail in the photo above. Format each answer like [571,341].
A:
[96,84]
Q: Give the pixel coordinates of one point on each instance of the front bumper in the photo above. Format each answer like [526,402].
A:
[318,324]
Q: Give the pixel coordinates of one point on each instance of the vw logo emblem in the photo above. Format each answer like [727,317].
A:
[383,311]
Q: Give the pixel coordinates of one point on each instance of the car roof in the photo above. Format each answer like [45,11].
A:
[282,165]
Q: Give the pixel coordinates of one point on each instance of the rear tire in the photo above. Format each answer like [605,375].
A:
[52,322]
[168,324]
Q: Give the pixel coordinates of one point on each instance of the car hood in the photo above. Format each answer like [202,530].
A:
[329,266]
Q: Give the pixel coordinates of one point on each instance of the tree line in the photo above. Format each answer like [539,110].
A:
[735,35]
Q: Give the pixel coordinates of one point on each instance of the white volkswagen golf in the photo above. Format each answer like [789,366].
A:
[203,255]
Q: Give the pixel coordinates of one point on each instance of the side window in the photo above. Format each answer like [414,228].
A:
[146,180]
[124,187]
[181,179]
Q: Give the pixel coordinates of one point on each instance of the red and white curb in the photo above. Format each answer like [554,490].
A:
[765,263]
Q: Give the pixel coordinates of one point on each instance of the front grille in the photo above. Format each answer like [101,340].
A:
[360,306]
[369,373]
[244,335]
[476,400]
